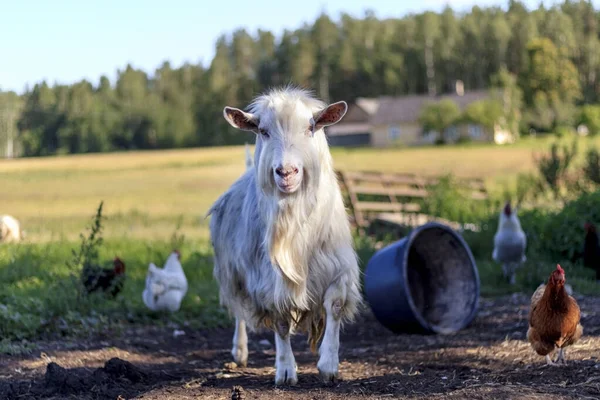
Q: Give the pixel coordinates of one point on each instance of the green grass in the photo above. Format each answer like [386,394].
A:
[148,196]
[40,294]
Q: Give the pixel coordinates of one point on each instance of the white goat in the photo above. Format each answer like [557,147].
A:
[249,162]
[284,256]
[10,229]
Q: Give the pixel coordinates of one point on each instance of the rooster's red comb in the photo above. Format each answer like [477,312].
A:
[559,269]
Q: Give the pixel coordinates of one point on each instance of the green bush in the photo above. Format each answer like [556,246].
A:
[590,117]
[450,199]
[553,166]
[564,131]
[561,234]
[439,116]
[483,112]
[556,236]
[591,169]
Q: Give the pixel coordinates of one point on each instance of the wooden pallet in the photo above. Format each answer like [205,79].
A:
[395,198]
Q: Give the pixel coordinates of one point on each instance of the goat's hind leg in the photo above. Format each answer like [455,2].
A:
[240,343]
[285,363]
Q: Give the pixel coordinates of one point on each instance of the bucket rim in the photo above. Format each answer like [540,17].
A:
[409,241]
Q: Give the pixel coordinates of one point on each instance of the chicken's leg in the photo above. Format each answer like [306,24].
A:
[549,360]
[509,272]
[560,358]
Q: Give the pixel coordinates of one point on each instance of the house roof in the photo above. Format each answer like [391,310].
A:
[369,105]
[408,108]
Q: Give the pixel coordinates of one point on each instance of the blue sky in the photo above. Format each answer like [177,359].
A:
[67,40]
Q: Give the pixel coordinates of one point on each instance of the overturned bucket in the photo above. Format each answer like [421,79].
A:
[426,282]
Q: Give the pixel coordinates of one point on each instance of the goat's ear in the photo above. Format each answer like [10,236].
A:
[240,119]
[332,114]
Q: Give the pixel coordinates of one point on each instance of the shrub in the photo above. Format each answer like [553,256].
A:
[590,117]
[560,235]
[553,166]
[439,116]
[564,131]
[484,112]
[450,199]
[591,168]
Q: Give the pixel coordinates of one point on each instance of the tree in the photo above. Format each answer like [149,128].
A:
[550,84]
[486,113]
[439,115]
[10,109]
[506,91]
[539,65]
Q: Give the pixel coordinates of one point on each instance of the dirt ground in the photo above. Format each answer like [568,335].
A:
[488,360]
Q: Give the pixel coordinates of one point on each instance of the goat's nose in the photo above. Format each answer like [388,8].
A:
[284,172]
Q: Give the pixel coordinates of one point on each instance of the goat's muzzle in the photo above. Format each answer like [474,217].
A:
[288,178]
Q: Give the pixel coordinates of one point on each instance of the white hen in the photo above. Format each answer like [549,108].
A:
[10,229]
[166,287]
[509,243]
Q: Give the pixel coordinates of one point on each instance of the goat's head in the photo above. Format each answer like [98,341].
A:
[290,144]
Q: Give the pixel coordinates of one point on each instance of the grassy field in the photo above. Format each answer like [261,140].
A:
[148,194]
[148,198]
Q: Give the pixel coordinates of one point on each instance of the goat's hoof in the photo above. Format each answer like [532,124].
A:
[329,377]
[328,371]
[286,375]
[240,356]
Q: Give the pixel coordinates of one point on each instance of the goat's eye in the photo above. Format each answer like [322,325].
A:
[263,132]
[309,130]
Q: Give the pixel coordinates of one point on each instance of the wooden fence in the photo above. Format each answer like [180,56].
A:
[395,198]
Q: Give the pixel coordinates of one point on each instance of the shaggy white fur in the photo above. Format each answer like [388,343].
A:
[284,256]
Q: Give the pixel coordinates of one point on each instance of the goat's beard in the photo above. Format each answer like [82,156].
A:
[288,228]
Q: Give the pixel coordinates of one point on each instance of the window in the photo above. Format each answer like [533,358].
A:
[475,131]
[430,136]
[394,132]
[451,134]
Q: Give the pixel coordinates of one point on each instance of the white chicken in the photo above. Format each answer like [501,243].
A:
[166,287]
[10,229]
[509,243]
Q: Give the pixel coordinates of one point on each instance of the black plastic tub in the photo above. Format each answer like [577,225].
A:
[426,282]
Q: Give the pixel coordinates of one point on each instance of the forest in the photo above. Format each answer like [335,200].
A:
[550,56]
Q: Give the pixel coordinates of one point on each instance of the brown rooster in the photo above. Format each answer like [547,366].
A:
[553,318]
[107,279]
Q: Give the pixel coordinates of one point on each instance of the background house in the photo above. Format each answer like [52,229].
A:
[388,121]
[355,127]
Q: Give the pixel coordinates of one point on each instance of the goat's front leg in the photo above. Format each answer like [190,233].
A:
[330,346]
[240,343]
[285,364]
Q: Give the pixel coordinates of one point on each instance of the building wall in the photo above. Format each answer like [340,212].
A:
[407,134]
[411,134]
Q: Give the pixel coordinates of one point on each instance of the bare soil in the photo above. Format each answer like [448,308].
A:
[488,360]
